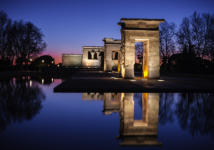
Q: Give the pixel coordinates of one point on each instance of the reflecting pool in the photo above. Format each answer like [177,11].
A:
[32,116]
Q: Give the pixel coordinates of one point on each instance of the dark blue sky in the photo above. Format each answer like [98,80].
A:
[70,24]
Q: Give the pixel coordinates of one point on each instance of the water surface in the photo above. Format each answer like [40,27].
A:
[32,116]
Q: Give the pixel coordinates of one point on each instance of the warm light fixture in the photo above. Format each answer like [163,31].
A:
[30,83]
[161,80]
[43,61]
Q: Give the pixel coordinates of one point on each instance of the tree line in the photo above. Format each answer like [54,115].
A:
[19,41]
[191,43]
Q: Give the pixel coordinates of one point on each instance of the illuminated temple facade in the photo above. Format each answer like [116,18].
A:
[119,55]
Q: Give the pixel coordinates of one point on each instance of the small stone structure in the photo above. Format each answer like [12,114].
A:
[140,30]
[111,54]
[93,56]
[71,60]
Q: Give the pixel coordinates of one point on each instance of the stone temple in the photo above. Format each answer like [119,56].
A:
[119,55]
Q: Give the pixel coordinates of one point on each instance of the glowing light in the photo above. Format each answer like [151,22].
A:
[30,83]
[52,80]
[58,65]
[161,80]
[43,61]
[42,81]
[52,62]
[145,73]
[31,59]
[133,80]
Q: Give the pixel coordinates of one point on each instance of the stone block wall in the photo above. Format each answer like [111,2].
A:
[86,62]
[71,60]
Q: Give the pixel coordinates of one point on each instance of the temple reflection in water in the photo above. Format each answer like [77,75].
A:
[142,132]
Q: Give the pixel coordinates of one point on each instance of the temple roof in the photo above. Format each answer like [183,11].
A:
[142,19]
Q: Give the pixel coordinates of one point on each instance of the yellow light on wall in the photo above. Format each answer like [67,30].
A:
[145,73]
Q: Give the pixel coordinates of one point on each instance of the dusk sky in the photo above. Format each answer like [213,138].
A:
[70,24]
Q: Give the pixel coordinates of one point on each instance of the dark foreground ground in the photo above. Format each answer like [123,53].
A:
[98,81]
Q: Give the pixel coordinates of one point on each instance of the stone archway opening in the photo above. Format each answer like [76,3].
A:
[140,30]
[141,58]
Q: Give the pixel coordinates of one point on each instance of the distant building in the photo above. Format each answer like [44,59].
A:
[71,60]
[106,56]
[93,56]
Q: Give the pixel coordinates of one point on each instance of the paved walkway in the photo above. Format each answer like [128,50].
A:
[109,82]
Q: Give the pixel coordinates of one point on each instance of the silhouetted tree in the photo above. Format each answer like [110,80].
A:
[167,40]
[6,54]
[19,101]
[166,111]
[196,35]
[184,37]
[27,40]
[195,114]
[208,47]
[19,40]
[43,62]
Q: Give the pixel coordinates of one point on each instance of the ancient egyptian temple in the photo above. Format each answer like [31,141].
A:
[119,55]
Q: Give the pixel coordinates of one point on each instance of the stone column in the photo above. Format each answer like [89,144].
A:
[153,110]
[154,57]
[84,58]
[129,59]
[122,55]
[128,110]
[108,58]
[92,55]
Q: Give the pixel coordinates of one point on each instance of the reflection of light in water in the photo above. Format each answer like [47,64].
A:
[42,81]
[133,80]
[115,78]
[160,80]
[52,80]
[30,83]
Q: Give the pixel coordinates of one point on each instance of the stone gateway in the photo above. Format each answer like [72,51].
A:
[140,30]
[119,55]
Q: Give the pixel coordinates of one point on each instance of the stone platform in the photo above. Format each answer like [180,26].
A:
[109,82]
